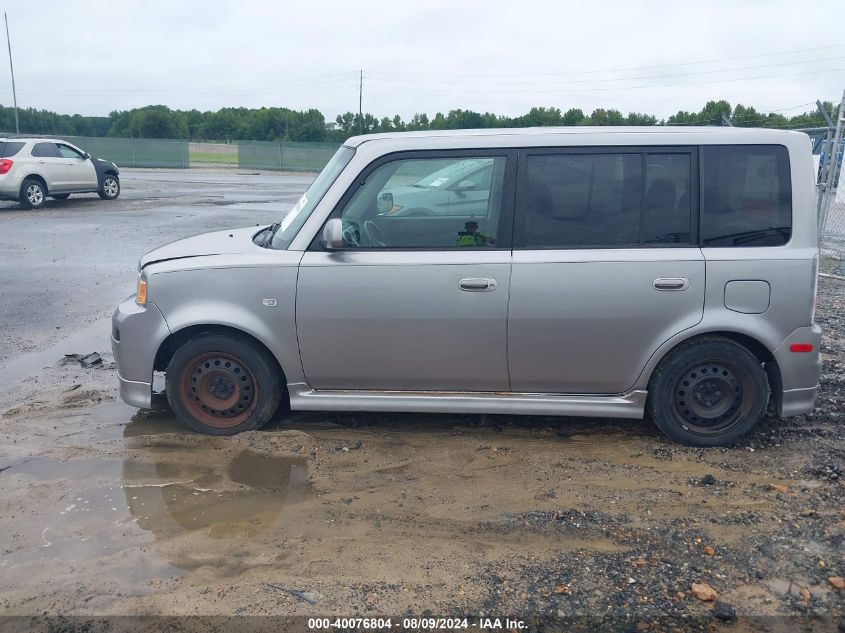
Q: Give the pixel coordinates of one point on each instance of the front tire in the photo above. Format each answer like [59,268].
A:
[222,384]
[33,194]
[110,187]
[709,391]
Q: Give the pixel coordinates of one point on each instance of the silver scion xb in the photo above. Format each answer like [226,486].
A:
[611,272]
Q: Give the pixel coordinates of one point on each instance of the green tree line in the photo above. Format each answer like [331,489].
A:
[273,124]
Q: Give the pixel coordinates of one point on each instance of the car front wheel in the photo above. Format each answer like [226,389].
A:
[33,194]
[709,391]
[222,384]
[110,187]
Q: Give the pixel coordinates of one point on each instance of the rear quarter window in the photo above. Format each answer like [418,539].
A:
[746,196]
[10,148]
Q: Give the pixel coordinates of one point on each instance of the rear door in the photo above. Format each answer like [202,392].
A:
[52,166]
[604,265]
[413,302]
[81,173]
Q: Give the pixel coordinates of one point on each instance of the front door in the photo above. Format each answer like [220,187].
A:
[605,266]
[412,302]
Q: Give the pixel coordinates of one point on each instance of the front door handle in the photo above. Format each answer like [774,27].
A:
[671,283]
[477,284]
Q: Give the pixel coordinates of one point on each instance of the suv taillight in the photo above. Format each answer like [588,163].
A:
[5,166]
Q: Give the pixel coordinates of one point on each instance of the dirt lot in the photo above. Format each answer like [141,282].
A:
[593,525]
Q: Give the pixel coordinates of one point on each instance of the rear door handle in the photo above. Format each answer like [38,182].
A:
[477,284]
[671,283]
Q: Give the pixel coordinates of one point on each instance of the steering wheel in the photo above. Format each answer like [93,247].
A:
[374,235]
[351,234]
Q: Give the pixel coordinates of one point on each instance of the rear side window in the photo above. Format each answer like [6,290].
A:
[746,196]
[605,200]
[9,149]
[45,150]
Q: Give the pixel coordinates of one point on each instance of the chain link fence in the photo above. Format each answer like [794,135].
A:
[290,156]
[181,154]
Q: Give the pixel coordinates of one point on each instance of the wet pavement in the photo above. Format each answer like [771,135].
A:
[68,264]
[603,524]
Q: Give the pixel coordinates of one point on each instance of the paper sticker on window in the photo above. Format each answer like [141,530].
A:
[297,208]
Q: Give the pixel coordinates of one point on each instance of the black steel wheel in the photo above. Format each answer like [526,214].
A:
[709,391]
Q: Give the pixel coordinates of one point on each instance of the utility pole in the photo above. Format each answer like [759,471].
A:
[12,68]
[360,101]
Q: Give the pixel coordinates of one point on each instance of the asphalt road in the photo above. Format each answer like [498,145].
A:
[66,266]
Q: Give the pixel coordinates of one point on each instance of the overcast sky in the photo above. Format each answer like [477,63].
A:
[92,57]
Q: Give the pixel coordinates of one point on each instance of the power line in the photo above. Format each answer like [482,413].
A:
[619,79]
[417,86]
[623,69]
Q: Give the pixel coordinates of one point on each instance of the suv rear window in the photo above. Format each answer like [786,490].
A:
[9,148]
[746,196]
[45,150]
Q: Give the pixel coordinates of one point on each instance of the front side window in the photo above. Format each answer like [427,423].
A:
[45,150]
[68,152]
[746,196]
[427,203]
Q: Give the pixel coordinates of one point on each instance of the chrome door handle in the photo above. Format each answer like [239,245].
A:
[477,285]
[671,283]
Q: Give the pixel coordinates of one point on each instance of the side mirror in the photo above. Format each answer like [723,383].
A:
[464,185]
[385,203]
[333,234]
[86,155]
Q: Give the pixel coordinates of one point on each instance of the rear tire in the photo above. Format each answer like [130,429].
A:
[709,391]
[109,187]
[33,194]
[223,384]
[60,196]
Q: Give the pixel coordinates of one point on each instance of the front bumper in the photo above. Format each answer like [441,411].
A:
[137,333]
[799,372]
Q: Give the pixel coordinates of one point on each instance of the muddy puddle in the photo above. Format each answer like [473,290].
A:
[152,512]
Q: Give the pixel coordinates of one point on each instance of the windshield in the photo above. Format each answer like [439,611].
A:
[294,220]
[452,173]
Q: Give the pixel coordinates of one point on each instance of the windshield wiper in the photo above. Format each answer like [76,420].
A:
[271,233]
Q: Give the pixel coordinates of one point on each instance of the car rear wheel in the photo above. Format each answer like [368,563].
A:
[222,384]
[110,187]
[709,391]
[60,196]
[33,194]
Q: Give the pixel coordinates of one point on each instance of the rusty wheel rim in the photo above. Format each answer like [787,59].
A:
[218,389]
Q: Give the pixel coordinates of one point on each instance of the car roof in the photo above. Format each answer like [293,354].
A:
[673,134]
[35,139]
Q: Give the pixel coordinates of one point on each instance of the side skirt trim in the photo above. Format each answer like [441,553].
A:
[629,405]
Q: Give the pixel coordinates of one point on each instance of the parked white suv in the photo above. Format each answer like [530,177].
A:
[31,169]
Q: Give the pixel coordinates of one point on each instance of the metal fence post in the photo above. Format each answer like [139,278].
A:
[132,144]
[281,155]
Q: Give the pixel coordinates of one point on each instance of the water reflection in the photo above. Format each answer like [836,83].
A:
[181,482]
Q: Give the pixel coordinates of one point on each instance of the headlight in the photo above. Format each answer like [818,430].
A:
[141,294]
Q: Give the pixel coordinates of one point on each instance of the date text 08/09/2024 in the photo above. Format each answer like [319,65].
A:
[417,624]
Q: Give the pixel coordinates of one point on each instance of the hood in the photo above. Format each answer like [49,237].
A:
[217,243]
